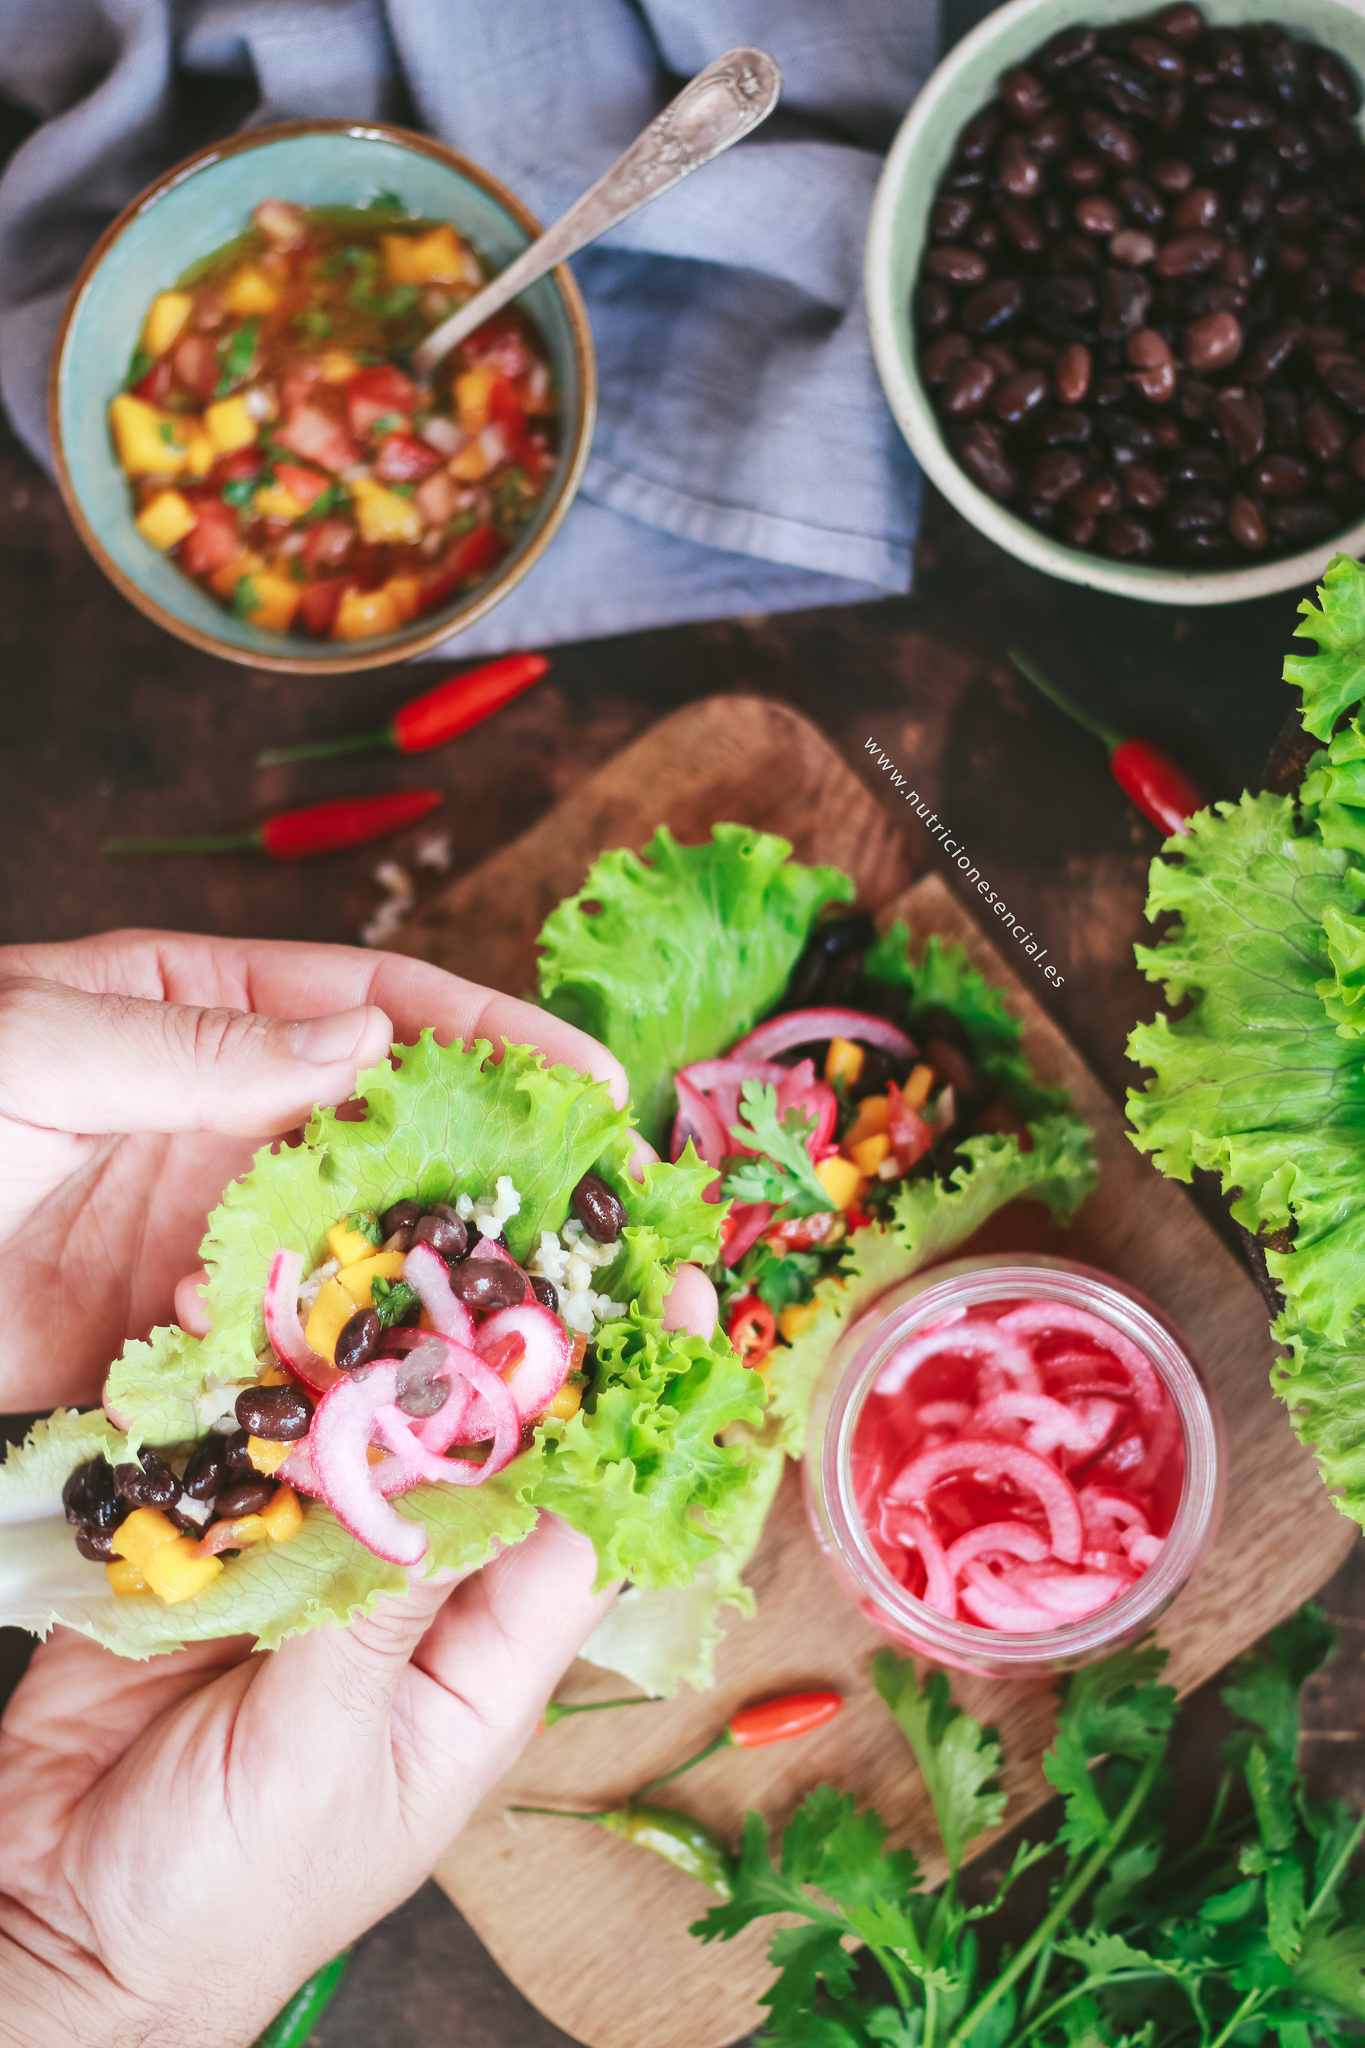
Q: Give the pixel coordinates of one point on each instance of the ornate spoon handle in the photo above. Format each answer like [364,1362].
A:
[721,104]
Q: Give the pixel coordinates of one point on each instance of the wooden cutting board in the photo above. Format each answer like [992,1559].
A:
[594,1931]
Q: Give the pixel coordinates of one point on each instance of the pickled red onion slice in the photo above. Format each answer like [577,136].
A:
[1054,1425]
[697,1120]
[986,1459]
[338,1444]
[972,1335]
[1105,1504]
[997,1606]
[533,1366]
[1034,1318]
[813,1027]
[428,1272]
[1011,1539]
[915,1532]
[1070,1596]
[749,1220]
[285,1331]
[496,1410]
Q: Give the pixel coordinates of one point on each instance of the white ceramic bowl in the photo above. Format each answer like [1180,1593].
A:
[962,84]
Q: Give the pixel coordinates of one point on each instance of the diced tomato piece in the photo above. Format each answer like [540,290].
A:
[157,382]
[403,459]
[373,392]
[328,543]
[213,541]
[304,485]
[501,342]
[319,604]
[311,433]
[468,556]
[196,364]
[299,383]
[241,466]
[505,410]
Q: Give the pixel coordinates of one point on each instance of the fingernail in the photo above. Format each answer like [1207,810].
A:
[326,1041]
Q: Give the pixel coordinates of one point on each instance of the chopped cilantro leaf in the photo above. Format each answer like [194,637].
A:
[246,598]
[365,1225]
[385,202]
[168,434]
[314,322]
[391,1300]
[138,365]
[388,423]
[239,490]
[404,490]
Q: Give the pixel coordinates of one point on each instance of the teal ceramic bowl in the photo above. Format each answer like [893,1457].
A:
[963,83]
[196,207]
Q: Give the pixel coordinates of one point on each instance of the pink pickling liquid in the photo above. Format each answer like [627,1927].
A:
[1018,1466]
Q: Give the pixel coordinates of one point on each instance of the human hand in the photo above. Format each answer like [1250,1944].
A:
[140,1071]
[187,1839]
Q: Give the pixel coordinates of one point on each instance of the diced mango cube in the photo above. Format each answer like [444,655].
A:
[166,317]
[177,1573]
[437,257]
[327,1319]
[840,1180]
[566,1402]
[225,580]
[249,290]
[200,453]
[141,1535]
[230,424]
[283,1516]
[166,520]
[337,367]
[149,442]
[844,1060]
[382,515]
[916,1089]
[473,391]
[874,1115]
[358,1279]
[247,1529]
[277,600]
[364,613]
[472,462]
[795,1318]
[266,1454]
[347,1245]
[273,501]
[868,1155]
[404,590]
[125,1578]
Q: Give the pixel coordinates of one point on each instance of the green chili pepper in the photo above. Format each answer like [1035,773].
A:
[688,1844]
[292,2026]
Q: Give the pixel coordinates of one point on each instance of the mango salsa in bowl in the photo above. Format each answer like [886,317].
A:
[268,476]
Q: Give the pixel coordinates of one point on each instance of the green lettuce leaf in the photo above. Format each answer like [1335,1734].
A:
[671,955]
[639,1469]
[1333,680]
[1260,1077]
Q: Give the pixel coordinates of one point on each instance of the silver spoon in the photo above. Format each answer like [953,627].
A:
[721,104]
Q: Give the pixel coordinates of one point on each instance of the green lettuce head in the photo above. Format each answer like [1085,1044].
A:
[640,1469]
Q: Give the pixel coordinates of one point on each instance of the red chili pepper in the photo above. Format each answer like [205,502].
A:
[1160,788]
[779,1720]
[429,721]
[295,835]
[752,1329]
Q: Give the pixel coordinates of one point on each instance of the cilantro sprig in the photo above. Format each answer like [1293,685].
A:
[782,1173]
[391,1300]
[1255,1933]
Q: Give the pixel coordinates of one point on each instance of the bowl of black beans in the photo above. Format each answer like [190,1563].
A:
[1116,285]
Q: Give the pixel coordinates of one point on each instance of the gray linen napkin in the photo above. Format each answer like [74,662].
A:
[745,460]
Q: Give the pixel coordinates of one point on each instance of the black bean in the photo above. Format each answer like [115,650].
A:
[1018,397]
[1304,521]
[1190,255]
[398,1240]
[421,1392]
[1204,550]
[1194,511]
[834,942]
[1023,226]
[1237,111]
[966,388]
[1066,51]
[149,1483]
[1213,342]
[1047,138]
[956,265]
[400,1216]
[1157,55]
[488,1283]
[1069,428]
[981,134]
[1283,476]
[994,306]
[445,1234]
[206,1473]
[1143,487]
[1334,83]
[941,355]
[1018,173]
[236,1456]
[1125,296]
[1027,98]
[358,1340]
[1282,67]
[1128,88]
[1172,173]
[984,237]
[1283,423]
[1083,173]
[545,1292]
[1240,412]
[1110,138]
[1198,466]
[1213,152]
[280,1415]
[1324,431]
[1182,23]
[74,1494]
[1346,382]
[247,1497]
[951,214]
[597,1208]
[1269,352]
[1127,538]
[1108,391]
[982,455]
[1094,495]
[96,1544]
[933,304]
[1246,524]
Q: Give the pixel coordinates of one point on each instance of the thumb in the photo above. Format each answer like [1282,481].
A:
[93,1064]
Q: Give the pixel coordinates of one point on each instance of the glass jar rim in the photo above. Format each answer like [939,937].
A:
[970,1283]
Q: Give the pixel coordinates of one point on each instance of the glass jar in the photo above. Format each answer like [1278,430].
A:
[849,1376]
